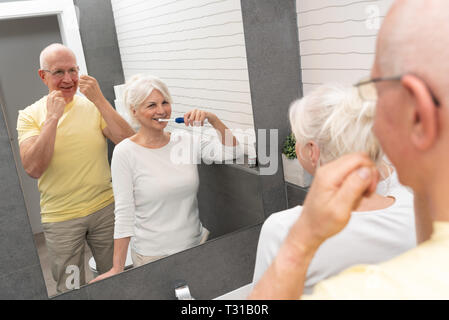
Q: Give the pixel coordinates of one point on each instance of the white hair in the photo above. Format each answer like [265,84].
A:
[337,120]
[139,87]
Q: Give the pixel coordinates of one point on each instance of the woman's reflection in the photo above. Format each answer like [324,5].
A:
[155,178]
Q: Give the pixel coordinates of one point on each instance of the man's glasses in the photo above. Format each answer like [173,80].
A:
[59,73]
[368,91]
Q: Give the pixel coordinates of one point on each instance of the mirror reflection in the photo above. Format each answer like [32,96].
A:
[62,142]
[151,211]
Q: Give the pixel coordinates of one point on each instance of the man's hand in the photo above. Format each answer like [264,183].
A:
[337,190]
[91,89]
[55,105]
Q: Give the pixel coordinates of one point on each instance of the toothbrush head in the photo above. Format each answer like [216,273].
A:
[177,120]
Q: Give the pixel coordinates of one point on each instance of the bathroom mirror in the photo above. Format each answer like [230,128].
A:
[198,49]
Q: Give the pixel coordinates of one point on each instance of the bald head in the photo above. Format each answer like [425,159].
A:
[52,52]
[414,38]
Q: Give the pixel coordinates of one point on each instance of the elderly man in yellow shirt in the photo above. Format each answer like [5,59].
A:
[410,75]
[62,140]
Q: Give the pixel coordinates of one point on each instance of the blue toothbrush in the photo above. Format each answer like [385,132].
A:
[177,120]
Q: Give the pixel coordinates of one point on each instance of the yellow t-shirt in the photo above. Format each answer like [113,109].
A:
[78,180]
[421,273]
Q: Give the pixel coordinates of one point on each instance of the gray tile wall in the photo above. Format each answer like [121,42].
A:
[295,195]
[271,36]
[99,39]
[229,199]
[97,30]
[210,270]
[20,272]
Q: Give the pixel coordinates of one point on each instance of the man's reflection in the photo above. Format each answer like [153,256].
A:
[62,140]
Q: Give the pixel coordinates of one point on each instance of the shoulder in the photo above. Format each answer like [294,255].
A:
[122,156]
[122,147]
[30,119]
[83,102]
[357,282]
[274,231]
[35,109]
[123,151]
[278,224]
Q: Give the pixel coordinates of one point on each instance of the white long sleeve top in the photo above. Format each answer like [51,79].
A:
[155,191]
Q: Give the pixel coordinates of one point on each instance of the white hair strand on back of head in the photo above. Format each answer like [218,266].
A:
[335,117]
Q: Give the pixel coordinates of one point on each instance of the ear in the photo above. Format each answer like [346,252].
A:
[313,152]
[425,118]
[43,75]
[310,151]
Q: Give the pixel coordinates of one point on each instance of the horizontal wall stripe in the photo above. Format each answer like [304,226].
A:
[337,40]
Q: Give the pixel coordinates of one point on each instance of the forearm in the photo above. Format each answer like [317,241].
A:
[120,253]
[37,157]
[227,138]
[118,127]
[285,278]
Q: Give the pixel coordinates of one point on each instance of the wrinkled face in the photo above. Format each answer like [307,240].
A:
[62,73]
[154,107]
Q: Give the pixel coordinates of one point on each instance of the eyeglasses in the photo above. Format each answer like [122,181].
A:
[59,73]
[368,91]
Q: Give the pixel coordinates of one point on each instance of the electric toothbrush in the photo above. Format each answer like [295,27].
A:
[176,120]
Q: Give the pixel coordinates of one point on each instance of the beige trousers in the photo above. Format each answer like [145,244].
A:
[140,260]
[65,242]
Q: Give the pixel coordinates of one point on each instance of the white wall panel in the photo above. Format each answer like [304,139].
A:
[197,47]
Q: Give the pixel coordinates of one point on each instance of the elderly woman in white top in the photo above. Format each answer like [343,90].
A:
[155,178]
[328,123]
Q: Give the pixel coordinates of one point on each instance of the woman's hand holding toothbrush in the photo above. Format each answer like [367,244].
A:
[197,117]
